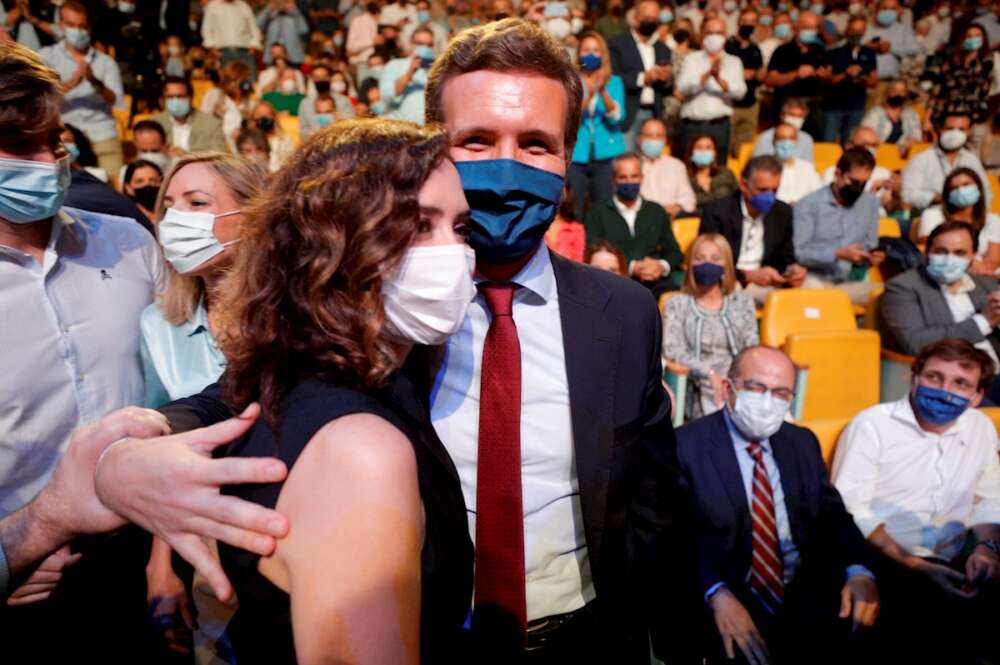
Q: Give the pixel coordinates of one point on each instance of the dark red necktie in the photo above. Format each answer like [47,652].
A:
[767,579]
[499,510]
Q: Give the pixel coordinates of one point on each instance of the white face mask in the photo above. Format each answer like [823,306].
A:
[758,415]
[713,43]
[576,25]
[559,28]
[953,139]
[794,121]
[288,86]
[188,238]
[338,86]
[426,300]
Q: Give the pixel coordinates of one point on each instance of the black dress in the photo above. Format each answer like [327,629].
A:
[261,631]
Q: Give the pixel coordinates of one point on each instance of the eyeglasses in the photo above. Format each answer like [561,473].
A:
[784,394]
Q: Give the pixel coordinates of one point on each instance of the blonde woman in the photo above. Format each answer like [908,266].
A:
[599,139]
[198,218]
[708,323]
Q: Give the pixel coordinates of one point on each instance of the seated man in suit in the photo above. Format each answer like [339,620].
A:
[758,228]
[780,561]
[640,228]
[187,128]
[922,479]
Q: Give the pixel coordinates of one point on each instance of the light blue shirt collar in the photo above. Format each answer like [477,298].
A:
[740,442]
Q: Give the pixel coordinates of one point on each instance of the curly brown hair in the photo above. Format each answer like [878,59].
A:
[304,296]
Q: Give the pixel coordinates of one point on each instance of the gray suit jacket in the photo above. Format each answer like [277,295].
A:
[914,313]
[206,131]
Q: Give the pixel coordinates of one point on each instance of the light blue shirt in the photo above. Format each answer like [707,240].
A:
[409,105]
[822,226]
[177,361]
[902,44]
[84,107]
[765,145]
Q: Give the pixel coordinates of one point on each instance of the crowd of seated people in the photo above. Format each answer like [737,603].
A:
[240,237]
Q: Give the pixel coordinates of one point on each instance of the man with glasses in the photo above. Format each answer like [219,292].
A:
[921,477]
[781,562]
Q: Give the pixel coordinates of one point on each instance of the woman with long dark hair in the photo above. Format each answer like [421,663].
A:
[964,202]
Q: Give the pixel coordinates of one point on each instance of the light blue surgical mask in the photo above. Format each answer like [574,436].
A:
[886,17]
[377,108]
[946,268]
[423,16]
[178,107]
[324,119]
[512,205]
[188,238]
[783,31]
[77,38]
[425,53]
[73,150]
[652,148]
[973,43]
[808,36]
[784,150]
[766,20]
[964,196]
[666,16]
[817,8]
[32,191]
[703,157]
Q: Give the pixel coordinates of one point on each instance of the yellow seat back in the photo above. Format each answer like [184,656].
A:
[685,231]
[827,430]
[887,156]
[889,228]
[993,413]
[826,155]
[843,371]
[198,89]
[289,126]
[788,311]
[746,151]
[916,149]
[995,190]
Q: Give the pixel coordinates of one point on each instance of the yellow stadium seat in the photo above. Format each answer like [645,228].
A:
[685,231]
[789,311]
[289,126]
[887,156]
[894,368]
[121,120]
[746,151]
[916,149]
[826,155]
[843,376]
[993,413]
[199,88]
[828,431]
[995,189]
[920,109]
[889,227]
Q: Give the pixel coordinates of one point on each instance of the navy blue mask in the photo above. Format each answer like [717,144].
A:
[707,274]
[938,406]
[512,205]
[628,191]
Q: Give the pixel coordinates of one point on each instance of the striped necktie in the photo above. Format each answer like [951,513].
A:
[767,581]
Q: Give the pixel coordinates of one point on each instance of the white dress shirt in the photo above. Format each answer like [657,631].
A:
[229,25]
[924,175]
[557,568]
[69,335]
[962,308]
[181,134]
[665,180]
[925,488]
[752,240]
[708,101]
[361,35]
[798,179]
[648,55]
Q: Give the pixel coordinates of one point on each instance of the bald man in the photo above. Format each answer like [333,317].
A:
[781,562]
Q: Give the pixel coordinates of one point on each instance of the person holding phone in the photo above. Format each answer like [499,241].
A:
[403,80]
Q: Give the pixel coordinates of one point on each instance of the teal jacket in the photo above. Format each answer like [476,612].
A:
[600,135]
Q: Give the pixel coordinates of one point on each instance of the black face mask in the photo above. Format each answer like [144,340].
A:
[146,196]
[616,11]
[682,36]
[746,31]
[197,63]
[449,10]
[850,193]
[265,124]
[854,40]
[648,27]
[322,87]
[895,101]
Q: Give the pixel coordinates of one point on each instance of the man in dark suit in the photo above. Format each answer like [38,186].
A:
[758,228]
[571,432]
[915,310]
[640,228]
[775,544]
[643,63]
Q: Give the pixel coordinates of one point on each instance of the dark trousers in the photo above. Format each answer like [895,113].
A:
[838,125]
[719,129]
[590,181]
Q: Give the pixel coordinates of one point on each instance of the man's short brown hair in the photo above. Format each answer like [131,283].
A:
[30,98]
[510,45]
[953,349]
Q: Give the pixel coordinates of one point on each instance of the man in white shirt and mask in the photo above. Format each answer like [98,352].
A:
[924,175]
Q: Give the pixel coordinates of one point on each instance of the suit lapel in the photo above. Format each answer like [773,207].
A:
[736,229]
[591,339]
[728,469]
[787,462]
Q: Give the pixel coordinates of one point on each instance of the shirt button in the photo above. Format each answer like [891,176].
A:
[81,378]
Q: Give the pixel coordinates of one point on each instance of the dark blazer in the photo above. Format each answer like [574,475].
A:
[625,450]
[823,531]
[88,193]
[654,237]
[627,63]
[724,216]
[914,312]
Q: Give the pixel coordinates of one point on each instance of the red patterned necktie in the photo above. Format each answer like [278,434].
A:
[767,580]
[499,510]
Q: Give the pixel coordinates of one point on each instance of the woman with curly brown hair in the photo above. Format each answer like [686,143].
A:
[352,254]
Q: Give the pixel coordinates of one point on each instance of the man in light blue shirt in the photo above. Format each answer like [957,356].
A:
[836,229]
[892,40]
[404,79]
[92,84]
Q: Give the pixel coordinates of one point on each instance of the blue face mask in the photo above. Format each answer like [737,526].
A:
[426,55]
[808,36]
[324,119]
[937,406]
[817,8]
[766,19]
[652,148]
[763,202]
[964,196]
[590,62]
[423,16]
[782,31]
[32,191]
[666,16]
[946,268]
[77,38]
[784,150]
[627,191]
[512,206]
[377,108]
[178,107]
[703,157]
[74,152]
[708,274]
[973,43]
[886,17]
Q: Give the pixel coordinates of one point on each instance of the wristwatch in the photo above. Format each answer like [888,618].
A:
[991,545]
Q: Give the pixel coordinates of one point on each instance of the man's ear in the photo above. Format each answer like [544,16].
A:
[977,399]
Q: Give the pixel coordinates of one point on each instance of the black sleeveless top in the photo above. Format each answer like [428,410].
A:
[261,631]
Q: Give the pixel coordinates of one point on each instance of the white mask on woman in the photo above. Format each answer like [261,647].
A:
[188,238]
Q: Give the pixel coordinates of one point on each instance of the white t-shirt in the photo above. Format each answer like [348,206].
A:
[933,217]
[798,180]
